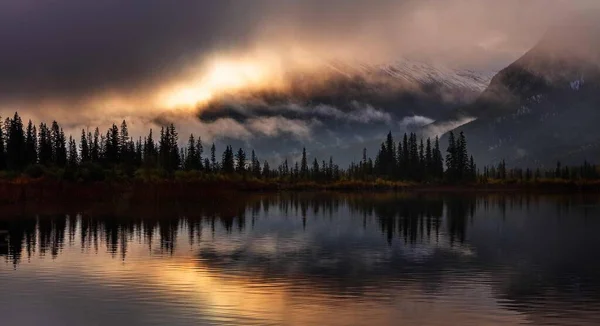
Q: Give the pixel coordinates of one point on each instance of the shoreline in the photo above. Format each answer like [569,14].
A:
[40,190]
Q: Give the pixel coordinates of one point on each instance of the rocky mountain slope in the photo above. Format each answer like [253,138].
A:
[545,106]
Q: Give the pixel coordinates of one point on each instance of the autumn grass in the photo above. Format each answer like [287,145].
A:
[190,185]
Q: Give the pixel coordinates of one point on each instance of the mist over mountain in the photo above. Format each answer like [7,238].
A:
[401,88]
[543,107]
[351,105]
[276,75]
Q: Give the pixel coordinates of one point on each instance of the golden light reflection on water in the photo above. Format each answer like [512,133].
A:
[352,261]
[195,287]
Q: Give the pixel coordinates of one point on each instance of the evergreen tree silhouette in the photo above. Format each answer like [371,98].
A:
[73,159]
[31,149]
[85,149]
[16,155]
[304,165]
[213,158]
[228,164]
[240,158]
[2,150]
[452,158]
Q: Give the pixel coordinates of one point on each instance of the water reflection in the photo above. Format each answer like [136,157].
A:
[305,258]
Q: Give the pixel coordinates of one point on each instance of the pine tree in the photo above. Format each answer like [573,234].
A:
[296,172]
[241,161]
[2,150]
[413,154]
[58,145]
[213,158]
[429,165]
[304,165]
[111,151]
[45,145]
[123,146]
[95,149]
[422,162]
[61,155]
[401,166]
[228,165]
[168,151]
[139,152]
[190,156]
[266,170]
[73,159]
[102,148]
[463,157]
[31,149]
[174,158]
[380,160]
[85,150]
[452,157]
[182,157]
[286,168]
[315,170]
[199,152]
[207,165]
[438,161]
[406,157]
[255,165]
[390,156]
[473,169]
[15,144]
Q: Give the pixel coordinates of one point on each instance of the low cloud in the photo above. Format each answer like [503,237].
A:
[415,122]
[438,129]
[360,112]
[275,126]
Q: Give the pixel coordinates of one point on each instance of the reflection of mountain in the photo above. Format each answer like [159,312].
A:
[377,240]
[536,254]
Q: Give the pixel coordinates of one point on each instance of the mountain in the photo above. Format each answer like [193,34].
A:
[542,108]
[404,87]
[350,103]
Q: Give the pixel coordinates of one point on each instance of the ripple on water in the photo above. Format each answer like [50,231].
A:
[377,261]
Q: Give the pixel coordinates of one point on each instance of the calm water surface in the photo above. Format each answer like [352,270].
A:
[307,259]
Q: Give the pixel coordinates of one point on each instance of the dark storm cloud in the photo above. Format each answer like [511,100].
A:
[71,46]
[90,62]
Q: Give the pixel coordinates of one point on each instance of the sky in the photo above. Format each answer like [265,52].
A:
[88,63]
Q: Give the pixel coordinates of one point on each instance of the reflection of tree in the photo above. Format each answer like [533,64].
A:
[417,219]
[459,210]
[115,229]
[542,252]
[411,218]
[51,233]
[22,237]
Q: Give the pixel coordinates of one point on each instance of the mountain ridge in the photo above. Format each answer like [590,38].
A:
[541,108]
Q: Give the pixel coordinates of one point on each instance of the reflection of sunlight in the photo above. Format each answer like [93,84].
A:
[234,296]
[191,287]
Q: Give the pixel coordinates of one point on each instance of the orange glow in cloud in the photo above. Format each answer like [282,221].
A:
[223,75]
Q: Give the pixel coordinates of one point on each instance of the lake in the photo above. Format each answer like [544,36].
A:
[304,259]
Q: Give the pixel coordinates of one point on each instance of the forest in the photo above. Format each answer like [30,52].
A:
[44,151]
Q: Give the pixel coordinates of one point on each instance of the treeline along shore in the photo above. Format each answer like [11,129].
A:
[39,162]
